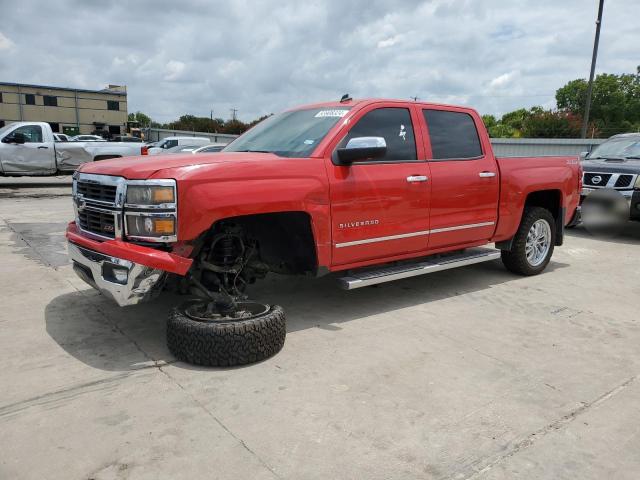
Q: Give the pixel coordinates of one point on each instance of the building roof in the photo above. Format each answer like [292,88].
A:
[104,90]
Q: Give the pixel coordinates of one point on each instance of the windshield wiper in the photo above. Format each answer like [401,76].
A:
[620,159]
[254,151]
[634,157]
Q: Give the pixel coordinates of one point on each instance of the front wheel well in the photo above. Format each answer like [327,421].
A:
[285,240]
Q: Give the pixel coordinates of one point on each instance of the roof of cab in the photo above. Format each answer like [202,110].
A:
[361,102]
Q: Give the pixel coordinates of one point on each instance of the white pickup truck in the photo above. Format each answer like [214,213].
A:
[29,148]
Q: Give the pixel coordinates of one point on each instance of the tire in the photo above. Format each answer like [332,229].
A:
[516,259]
[225,344]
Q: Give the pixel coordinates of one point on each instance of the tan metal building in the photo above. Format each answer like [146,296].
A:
[67,110]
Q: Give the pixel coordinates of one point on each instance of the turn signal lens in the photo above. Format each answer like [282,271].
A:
[164,226]
[163,195]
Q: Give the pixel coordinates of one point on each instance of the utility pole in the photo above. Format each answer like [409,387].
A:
[587,107]
[234,111]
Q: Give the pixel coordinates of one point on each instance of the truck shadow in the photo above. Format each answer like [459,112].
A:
[102,335]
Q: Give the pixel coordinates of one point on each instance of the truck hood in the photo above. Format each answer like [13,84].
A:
[173,166]
[611,166]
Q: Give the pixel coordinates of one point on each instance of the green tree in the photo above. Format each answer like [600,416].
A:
[615,102]
[141,118]
[551,124]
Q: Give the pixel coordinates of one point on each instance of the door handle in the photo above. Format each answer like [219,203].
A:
[487,174]
[42,147]
[417,178]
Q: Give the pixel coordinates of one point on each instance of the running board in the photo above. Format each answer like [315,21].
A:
[364,278]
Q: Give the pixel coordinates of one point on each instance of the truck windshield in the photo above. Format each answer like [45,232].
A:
[289,134]
[618,148]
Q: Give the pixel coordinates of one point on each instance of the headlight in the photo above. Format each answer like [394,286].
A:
[154,226]
[637,185]
[150,194]
[151,210]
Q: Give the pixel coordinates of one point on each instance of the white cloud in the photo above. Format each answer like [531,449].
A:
[173,70]
[502,80]
[5,43]
[388,42]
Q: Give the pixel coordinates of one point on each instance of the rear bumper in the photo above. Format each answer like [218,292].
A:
[125,272]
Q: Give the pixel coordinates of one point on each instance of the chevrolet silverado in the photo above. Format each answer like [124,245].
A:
[373,190]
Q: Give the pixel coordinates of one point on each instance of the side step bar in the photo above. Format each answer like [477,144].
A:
[364,278]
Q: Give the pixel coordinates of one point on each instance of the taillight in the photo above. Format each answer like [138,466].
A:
[144,150]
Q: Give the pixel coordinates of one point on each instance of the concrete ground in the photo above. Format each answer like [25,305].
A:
[469,373]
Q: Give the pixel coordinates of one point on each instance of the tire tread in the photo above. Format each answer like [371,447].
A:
[226,344]
[515,260]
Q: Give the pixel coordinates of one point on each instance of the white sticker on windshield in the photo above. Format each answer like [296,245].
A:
[308,142]
[331,113]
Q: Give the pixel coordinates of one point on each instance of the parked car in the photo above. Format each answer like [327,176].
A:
[127,138]
[171,142]
[87,138]
[373,190]
[179,149]
[615,165]
[29,148]
[210,148]
[60,137]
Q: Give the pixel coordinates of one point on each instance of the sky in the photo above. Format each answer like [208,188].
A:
[263,56]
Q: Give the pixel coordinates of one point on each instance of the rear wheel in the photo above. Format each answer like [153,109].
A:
[533,243]
[198,334]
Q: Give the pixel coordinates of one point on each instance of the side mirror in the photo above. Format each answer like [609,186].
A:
[15,137]
[362,148]
[583,155]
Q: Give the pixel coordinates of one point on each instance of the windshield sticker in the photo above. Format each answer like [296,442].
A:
[308,142]
[403,133]
[331,113]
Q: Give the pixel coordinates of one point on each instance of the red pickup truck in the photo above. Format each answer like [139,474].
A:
[374,189]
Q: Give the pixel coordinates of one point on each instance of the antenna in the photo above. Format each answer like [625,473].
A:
[345,98]
[415,99]
[234,112]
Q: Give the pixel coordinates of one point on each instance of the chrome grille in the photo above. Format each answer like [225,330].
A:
[99,206]
[98,222]
[96,191]
[617,181]
[596,179]
[624,181]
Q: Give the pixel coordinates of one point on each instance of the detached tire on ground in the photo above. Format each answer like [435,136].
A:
[533,243]
[226,343]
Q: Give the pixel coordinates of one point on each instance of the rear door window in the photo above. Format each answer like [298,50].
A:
[392,124]
[453,135]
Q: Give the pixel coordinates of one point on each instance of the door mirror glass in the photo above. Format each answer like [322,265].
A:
[362,148]
[15,137]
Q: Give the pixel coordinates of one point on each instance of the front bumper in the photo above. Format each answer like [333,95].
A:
[126,282]
[123,271]
[631,196]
